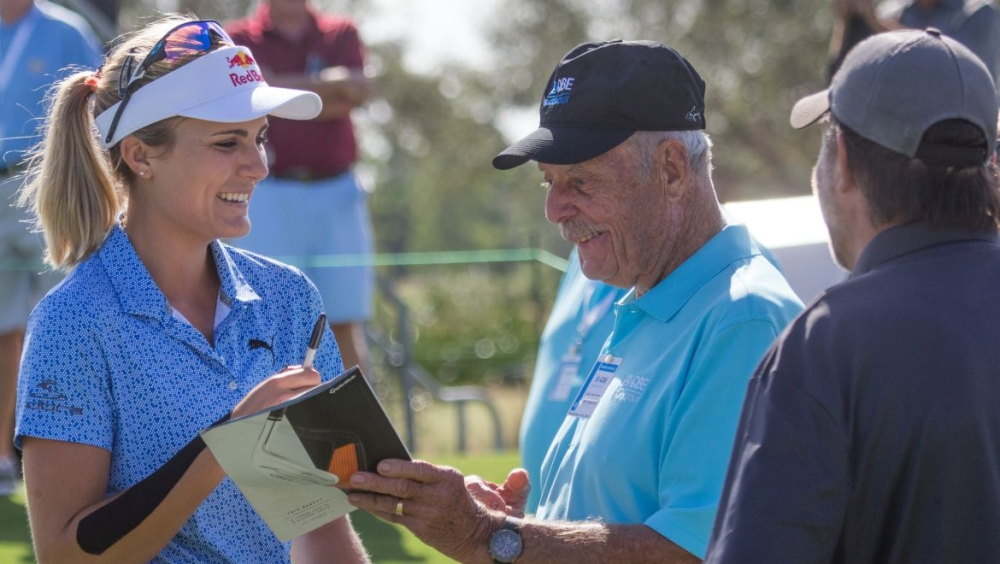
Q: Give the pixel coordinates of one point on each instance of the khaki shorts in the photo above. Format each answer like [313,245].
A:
[23,278]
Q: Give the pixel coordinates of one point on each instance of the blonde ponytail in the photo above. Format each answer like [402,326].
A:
[77,189]
[70,187]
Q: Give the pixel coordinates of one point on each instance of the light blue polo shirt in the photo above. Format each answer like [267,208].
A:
[656,448]
[55,38]
[107,364]
[581,320]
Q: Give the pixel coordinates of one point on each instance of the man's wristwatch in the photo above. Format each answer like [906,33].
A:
[505,545]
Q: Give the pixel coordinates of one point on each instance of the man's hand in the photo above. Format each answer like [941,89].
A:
[432,502]
[510,498]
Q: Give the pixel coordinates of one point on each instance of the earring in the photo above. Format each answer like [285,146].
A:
[142,173]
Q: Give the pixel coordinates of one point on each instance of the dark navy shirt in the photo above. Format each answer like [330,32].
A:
[871,430]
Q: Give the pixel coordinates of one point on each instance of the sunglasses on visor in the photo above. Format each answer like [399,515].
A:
[184,40]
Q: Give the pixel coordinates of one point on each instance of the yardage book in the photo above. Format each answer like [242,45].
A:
[294,460]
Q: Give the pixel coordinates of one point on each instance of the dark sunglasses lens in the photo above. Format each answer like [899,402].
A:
[195,37]
[125,76]
[186,39]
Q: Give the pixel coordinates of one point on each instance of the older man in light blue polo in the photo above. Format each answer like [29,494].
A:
[635,471]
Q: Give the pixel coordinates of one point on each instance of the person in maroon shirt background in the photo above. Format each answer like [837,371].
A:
[312,204]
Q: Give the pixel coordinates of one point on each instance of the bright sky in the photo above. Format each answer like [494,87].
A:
[434,30]
[440,31]
[782,222]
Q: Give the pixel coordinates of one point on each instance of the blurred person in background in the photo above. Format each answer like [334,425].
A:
[39,42]
[973,23]
[145,166]
[313,203]
[581,319]
[853,22]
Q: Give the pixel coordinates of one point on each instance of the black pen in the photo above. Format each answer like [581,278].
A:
[317,336]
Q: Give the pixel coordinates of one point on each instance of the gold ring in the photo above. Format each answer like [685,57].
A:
[399,508]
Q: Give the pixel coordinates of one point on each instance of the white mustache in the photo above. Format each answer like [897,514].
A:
[578,232]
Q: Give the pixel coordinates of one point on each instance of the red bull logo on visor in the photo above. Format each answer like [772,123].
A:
[241,59]
[245,61]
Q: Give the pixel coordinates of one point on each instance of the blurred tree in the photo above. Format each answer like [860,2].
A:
[429,141]
[432,176]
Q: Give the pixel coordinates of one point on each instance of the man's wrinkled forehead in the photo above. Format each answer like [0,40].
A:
[566,169]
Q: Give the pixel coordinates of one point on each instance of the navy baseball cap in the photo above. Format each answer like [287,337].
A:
[601,93]
[893,86]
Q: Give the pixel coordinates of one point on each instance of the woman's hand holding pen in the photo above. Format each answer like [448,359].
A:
[278,388]
[289,382]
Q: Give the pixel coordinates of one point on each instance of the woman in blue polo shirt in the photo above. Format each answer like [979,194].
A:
[160,329]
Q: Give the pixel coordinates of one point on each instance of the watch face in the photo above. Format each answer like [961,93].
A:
[505,545]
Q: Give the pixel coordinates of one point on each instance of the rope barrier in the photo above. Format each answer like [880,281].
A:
[384,259]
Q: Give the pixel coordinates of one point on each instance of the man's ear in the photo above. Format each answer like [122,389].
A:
[674,168]
[133,153]
[844,173]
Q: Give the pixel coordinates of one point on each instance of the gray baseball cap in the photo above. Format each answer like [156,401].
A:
[893,86]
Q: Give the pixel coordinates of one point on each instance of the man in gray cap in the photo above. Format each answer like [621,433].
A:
[871,430]
[635,470]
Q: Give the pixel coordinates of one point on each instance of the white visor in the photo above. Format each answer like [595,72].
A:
[225,85]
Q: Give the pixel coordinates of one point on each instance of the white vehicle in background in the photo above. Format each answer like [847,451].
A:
[793,230]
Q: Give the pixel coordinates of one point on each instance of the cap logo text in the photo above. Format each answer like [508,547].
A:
[560,92]
[247,78]
[694,115]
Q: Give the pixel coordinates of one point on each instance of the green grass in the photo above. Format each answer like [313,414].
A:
[387,543]
[15,540]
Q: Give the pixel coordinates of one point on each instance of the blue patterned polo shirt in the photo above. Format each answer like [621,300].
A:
[107,364]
